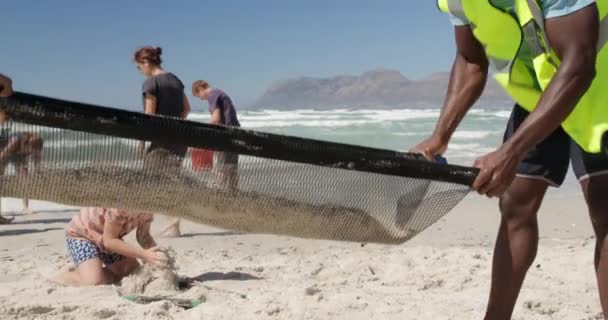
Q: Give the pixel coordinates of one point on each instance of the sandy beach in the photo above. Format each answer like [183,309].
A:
[443,273]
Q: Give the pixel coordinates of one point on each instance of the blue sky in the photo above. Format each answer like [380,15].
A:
[82,50]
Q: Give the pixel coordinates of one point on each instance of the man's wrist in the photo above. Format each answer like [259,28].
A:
[442,135]
[516,148]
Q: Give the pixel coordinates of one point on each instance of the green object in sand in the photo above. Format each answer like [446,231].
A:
[183,303]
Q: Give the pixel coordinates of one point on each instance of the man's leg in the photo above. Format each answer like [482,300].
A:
[595,189]
[546,164]
[592,172]
[516,244]
[226,171]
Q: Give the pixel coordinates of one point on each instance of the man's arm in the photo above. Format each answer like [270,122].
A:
[216,116]
[467,81]
[574,38]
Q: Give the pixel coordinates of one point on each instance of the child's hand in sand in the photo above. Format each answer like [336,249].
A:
[154,258]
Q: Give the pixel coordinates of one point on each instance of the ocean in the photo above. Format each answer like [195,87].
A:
[396,129]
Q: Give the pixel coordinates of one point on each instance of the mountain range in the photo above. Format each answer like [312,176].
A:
[380,88]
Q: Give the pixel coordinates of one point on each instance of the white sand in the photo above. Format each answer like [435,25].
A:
[441,274]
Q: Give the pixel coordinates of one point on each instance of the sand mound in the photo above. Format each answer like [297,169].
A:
[153,281]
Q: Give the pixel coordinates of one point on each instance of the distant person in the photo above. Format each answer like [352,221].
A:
[6,90]
[6,86]
[94,239]
[163,95]
[222,112]
[20,149]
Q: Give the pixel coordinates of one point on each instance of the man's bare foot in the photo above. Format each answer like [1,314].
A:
[5,220]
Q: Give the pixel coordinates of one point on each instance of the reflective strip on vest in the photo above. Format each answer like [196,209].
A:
[603,36]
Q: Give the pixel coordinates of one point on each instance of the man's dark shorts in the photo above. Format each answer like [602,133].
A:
[550,159]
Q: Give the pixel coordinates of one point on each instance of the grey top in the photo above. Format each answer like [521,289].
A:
[169,93]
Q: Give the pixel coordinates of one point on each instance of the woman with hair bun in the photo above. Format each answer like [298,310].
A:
[163,92]
[163,95]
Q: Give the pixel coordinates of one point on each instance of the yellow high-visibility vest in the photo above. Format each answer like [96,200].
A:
[501,33]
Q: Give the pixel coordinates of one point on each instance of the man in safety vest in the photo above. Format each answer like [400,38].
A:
[544,53]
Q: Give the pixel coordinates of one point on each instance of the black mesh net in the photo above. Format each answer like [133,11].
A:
[246,181]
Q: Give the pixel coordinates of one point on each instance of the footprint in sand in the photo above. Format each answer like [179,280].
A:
[538,308]
[39,310]
[104,313]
